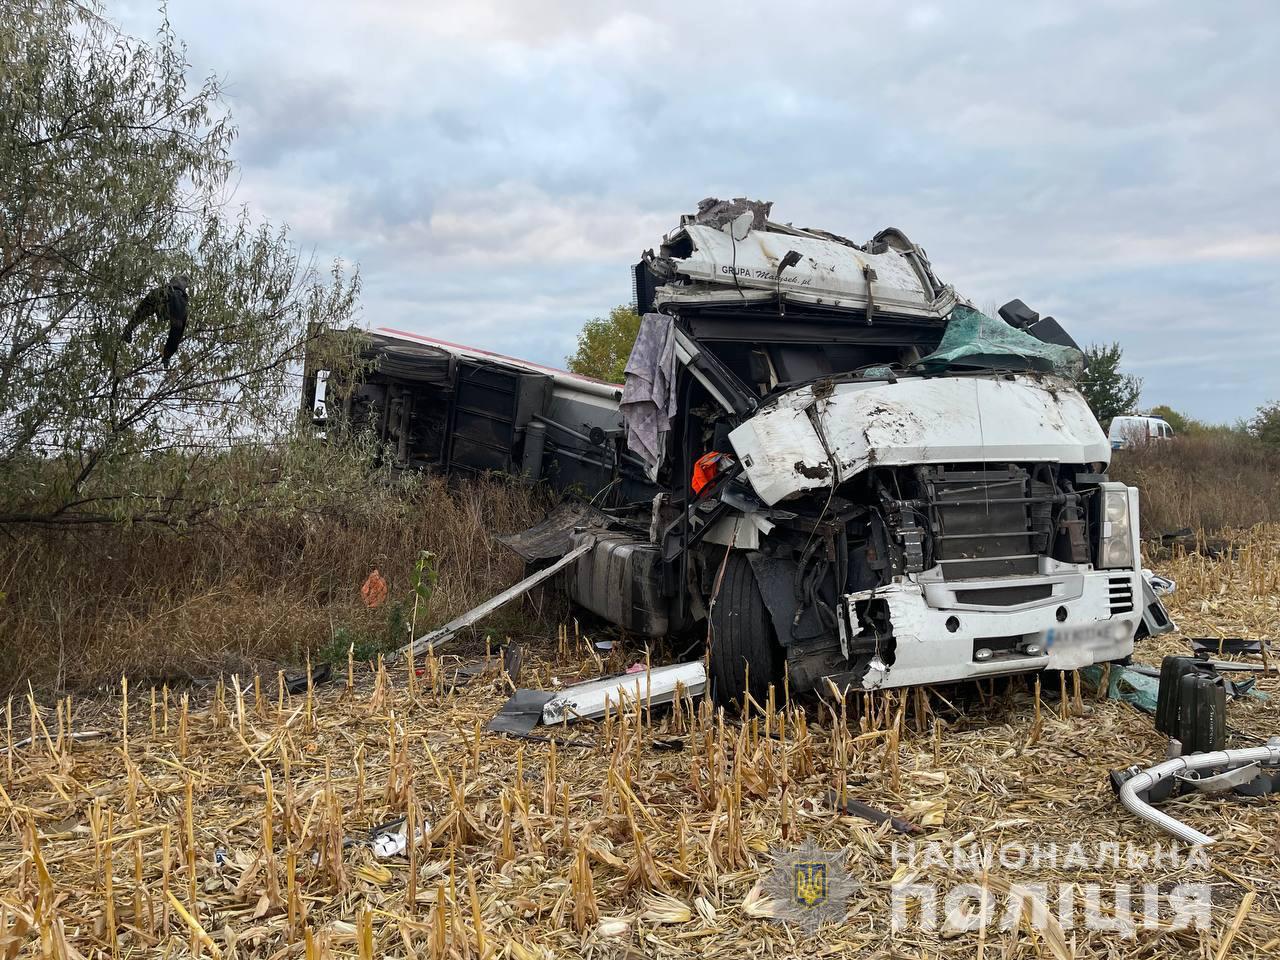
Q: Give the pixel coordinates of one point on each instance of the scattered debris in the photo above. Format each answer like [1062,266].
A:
[513,661]
[586,701]
[298,682]
[673,744]
[1138,788]
[616,821]
[1215,548]
[1162,586]
[432,640]
[391,839]
[1227,645]
[521,713]
[1135,684]
[856,808]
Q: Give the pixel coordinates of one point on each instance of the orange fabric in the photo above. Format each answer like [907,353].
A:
[705,470]
[374,591]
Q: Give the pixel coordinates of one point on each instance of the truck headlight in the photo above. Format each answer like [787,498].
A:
[1115,547]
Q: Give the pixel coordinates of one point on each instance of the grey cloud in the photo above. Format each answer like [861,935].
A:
[281,114]
[496,166]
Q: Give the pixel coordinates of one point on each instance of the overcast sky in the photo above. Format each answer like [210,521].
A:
[495,167]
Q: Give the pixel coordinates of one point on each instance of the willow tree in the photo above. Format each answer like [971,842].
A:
[115,174]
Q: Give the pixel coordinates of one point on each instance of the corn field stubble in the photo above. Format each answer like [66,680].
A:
[213,822]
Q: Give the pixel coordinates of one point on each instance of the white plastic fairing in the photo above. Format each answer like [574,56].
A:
[972,419]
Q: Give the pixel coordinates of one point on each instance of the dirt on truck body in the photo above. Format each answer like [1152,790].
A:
[820,448]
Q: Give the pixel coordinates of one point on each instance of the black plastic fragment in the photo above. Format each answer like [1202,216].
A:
[521,713]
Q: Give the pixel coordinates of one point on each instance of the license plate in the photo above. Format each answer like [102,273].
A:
[1092,636]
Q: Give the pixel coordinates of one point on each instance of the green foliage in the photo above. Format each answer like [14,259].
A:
[425,577]
[604,345]
[113,177]
[1108,391]
[1181,424]
[1185,426]
[1265,424]
[368,644]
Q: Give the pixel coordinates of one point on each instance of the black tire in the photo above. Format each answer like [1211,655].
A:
[744,647]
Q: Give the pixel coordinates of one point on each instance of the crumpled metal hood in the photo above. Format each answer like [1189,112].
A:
[1001,419]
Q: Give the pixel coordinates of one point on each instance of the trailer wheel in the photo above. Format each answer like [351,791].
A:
[744,648]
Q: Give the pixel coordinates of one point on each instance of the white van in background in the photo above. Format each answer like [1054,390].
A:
[1136,430]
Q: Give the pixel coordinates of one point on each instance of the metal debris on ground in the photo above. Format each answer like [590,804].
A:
[1252,771]
[296,683]
[1227,645]
[521,713]
[392,839]
[856,808]
[587,701]
[433,640]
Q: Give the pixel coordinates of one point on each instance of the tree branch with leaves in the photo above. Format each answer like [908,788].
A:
[114,176]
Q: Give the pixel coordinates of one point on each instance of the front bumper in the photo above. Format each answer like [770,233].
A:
[1064,618]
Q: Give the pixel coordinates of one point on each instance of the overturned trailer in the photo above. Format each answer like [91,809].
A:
[436,405]
[822,450]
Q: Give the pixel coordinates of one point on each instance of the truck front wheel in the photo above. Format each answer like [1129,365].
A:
[745,654]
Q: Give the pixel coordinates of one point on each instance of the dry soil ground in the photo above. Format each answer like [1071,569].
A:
[218,826]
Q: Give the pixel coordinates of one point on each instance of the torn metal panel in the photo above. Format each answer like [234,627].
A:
[723,264]
[913,421]
[937,644]
[586,701]
[720,213]
[1154,616]
[553,537]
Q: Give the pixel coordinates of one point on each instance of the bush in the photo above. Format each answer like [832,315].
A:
[79,606]
[1205,481]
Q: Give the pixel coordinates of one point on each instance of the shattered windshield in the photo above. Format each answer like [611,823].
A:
[974,340]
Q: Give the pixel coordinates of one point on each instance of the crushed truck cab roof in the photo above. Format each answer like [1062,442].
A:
[731,252]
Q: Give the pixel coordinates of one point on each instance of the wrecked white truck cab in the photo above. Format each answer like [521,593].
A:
[978,612]
[900,490]
[822,453]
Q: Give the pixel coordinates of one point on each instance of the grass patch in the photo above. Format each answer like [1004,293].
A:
[78,608]
[1208,482]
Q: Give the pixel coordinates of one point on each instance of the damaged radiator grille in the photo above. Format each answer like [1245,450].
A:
[988,523]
